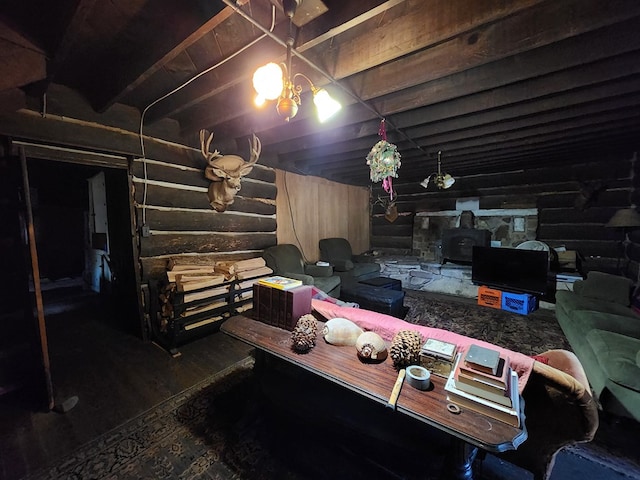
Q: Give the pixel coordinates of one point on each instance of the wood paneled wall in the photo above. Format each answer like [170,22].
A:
[312,208]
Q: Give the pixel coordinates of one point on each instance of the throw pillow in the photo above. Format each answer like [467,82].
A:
[604,286]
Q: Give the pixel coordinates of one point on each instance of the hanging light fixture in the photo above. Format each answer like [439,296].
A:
[442,181]
[273,81]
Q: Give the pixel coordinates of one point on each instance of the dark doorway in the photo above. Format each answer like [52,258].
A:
[85,251]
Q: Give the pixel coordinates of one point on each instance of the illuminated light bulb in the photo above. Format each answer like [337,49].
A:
[325,105]
[259,100]
[268,82]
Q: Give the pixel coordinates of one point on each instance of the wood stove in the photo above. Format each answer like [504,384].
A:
[458,243]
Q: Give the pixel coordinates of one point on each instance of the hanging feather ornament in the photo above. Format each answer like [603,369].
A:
[384,161]
[303,336]
[405,348]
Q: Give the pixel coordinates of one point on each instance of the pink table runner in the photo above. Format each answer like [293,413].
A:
[386,326]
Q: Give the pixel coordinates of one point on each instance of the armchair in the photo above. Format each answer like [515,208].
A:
[559,411]
[338,252]
[286,260]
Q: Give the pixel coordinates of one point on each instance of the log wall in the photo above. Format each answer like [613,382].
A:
[574,204]
[171,202]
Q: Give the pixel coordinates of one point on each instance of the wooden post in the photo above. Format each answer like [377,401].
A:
[44,346]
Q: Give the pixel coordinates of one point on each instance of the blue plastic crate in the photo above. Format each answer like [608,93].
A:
[521,303]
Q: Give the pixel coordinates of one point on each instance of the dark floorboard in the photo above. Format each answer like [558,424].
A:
[115,376]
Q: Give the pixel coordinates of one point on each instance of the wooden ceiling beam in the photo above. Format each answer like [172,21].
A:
[414,30]
[461,54]
[514,116]
[566,88]
[513,142]
[157,31]
[322,29]
[547,69]
[21,62]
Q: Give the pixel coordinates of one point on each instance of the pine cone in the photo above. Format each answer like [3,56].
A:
[405,348]
[303,336]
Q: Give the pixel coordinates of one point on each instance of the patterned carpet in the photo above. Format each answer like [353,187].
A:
[529,334]
[223,429]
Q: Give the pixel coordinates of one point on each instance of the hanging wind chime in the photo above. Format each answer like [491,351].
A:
[384,162]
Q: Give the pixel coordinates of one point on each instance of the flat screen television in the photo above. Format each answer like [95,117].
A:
[510,269]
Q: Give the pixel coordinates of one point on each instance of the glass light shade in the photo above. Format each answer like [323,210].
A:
[325,105]
[268,82]
[447,181]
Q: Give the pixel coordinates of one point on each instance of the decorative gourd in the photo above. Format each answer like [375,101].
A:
[340,331]
[303,336]
[371,346]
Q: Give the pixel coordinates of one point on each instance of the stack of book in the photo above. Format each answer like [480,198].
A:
[438,356]
[482,380]
[281,307]
[281,283]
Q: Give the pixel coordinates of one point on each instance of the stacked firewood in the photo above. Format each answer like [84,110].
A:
[246,273]
[195,289]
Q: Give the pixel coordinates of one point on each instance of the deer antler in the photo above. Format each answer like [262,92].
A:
[256,147]
[204,146]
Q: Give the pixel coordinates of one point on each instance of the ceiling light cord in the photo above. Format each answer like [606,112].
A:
[322,72]
[180,87]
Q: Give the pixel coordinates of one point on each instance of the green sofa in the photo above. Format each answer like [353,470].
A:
[604,333]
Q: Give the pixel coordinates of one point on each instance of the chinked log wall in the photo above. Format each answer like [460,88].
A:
[182,225]
[559,193]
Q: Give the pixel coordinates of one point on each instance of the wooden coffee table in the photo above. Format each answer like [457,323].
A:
[341,366]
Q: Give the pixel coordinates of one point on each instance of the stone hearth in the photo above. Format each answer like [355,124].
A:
[416,274]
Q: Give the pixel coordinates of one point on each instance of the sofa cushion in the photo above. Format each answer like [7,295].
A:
[617,355]
[571,302]
[604,286]
[584,320]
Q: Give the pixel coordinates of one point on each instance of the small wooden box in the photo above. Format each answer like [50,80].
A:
[437,366]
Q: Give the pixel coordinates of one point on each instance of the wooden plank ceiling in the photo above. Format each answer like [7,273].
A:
[496,85]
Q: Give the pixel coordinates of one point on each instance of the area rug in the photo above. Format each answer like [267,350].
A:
[224,429]
[221,429]
[529,334]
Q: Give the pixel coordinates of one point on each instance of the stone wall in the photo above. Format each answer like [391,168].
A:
[508,227]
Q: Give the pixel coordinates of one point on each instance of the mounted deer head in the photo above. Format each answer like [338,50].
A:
[225,171]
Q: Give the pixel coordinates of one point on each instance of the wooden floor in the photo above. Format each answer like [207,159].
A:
[115,376]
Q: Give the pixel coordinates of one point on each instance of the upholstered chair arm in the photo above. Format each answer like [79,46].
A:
[318,270]
[559,411]
[306,279]
[342,265]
